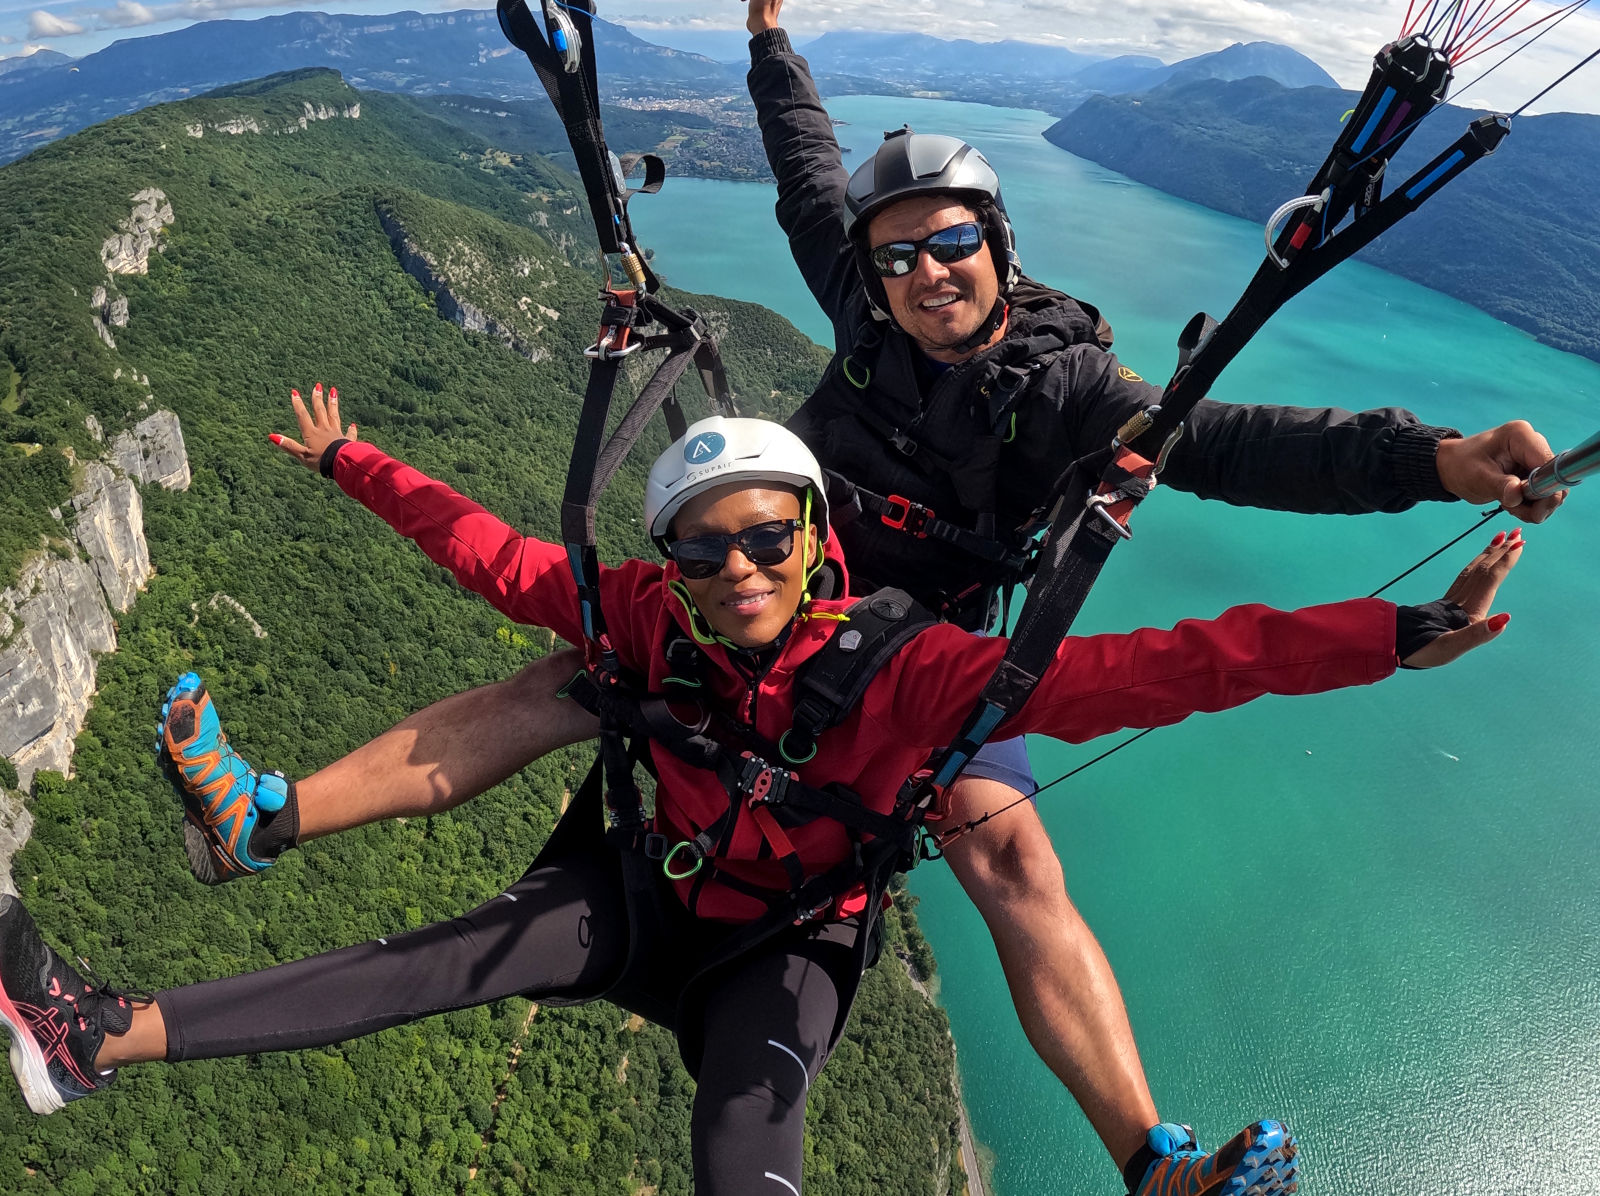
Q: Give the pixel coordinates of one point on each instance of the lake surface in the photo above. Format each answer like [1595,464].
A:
[1371,913]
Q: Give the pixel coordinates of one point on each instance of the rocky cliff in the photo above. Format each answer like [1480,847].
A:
[443,279]
[58,614]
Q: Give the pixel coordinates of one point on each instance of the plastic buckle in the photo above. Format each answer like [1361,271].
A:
[655,846]
[764,784]
[907,516]
[903,443]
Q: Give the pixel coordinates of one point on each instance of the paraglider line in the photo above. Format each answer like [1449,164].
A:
[1487,515]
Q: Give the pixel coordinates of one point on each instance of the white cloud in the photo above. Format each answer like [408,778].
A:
[1341,38]
[127,14]
[44,24]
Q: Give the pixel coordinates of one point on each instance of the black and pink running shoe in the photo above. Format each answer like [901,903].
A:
[57,1020]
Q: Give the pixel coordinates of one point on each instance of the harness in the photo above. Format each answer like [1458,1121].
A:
[760,779]
[1002,555]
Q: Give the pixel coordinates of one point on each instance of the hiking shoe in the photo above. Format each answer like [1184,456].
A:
[1258,1161]
[226,803]
[57,1021]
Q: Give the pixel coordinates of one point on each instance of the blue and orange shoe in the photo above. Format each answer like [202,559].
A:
[227,805]
[1258,1161]
[56,1019]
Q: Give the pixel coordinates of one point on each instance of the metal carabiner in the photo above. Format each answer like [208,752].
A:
[1278,217]
[1097,504]
[564,39]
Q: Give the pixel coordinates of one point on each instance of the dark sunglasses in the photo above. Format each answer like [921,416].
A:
[700,557]
[945,246]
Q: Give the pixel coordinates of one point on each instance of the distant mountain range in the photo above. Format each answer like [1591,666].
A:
[1514,235]
[47,95]
[959,66]
[38,60]
[441,53]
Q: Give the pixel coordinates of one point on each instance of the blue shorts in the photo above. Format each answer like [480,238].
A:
[1006,762]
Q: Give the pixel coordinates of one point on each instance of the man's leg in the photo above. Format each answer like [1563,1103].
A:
[1061,982]
[238,820]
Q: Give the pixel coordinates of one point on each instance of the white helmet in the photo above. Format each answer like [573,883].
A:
[717,450]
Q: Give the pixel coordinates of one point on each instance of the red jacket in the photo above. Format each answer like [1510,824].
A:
[1097,685]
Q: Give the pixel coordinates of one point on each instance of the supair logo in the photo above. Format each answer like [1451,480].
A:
[705,447]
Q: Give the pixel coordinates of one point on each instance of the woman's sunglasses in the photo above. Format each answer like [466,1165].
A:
[945,246]
[700,557]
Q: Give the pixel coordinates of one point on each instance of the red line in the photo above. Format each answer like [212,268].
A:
[1479,34]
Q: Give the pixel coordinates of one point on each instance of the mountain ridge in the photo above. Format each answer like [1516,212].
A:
[1511,236]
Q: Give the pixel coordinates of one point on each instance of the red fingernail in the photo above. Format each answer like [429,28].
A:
[275,438]
[333,392]
[1498,622]
[293,393]
[1498,536]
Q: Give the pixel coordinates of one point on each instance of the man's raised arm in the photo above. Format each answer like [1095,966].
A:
[798,135]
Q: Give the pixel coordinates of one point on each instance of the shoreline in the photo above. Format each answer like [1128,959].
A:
[969,1144]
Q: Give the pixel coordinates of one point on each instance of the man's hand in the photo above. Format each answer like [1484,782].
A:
[762,15]
[1473,591]
[1490,466]
[319,427]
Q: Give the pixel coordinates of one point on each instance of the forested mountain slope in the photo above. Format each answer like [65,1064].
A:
[1513,236]
[296,206]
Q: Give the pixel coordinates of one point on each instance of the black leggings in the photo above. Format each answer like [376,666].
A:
[765,1027]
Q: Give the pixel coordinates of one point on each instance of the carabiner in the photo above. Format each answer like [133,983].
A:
[666,864]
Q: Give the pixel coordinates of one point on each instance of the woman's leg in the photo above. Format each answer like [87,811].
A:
[559,931]
[768,1029]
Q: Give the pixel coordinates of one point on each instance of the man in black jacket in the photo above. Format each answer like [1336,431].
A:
[958,392]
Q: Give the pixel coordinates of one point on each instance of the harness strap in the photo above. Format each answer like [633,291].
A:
[905,515]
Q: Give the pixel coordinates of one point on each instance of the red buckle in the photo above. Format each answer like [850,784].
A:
[613,339]
[906,516]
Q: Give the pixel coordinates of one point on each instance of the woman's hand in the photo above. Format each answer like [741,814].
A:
[319,427]
[762,14]
[1473,591]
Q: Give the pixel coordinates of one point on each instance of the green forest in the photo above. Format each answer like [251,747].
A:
[277,272]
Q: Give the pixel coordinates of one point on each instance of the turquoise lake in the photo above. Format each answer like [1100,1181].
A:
[1372,914]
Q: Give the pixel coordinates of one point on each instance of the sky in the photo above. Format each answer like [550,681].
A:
[1340,37]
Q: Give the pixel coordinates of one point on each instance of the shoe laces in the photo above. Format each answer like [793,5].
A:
[109,1009]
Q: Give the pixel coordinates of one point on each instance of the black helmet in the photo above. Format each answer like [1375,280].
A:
[909,164]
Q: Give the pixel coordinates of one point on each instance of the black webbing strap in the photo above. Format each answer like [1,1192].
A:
[915,520]
[546,39]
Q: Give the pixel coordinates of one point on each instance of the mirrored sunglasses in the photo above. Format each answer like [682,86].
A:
[945,246]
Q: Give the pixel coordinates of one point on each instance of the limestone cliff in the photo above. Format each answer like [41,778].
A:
[444,277]
[58,613]
[152,451]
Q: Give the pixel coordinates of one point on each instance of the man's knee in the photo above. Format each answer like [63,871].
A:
[1009,860]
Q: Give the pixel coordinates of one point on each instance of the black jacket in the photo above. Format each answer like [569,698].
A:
[995,432]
